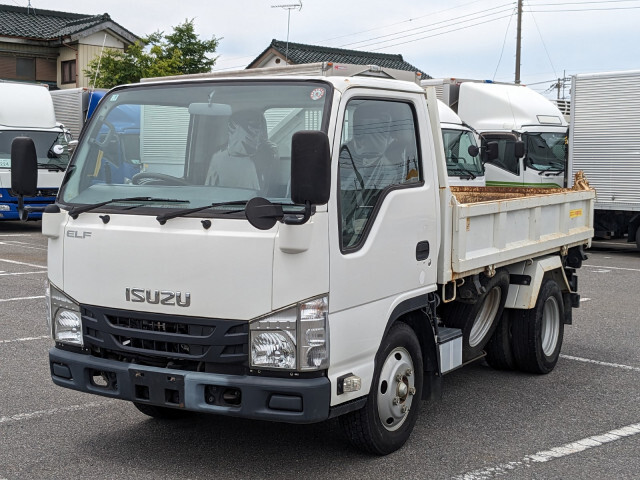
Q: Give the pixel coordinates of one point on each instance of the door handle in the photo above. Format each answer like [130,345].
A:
[422,250]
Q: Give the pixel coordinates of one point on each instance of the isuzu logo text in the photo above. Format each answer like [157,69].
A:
[157,297]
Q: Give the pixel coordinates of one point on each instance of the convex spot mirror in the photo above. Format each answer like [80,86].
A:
[58,149]
[473,150]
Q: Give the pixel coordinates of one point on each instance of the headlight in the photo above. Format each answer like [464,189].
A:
[65,318]
[293,339]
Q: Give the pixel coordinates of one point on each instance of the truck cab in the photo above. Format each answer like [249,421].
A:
[529,130]
[27,111]
[464,164]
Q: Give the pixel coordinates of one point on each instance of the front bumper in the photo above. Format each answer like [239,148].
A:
[291,400]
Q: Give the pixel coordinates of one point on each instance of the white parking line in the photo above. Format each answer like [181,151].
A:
[20,298]
[598,362]
[47,413]
[22,263]
[25,339]
[25,245]
[4,274]
[613,268]
[557,452]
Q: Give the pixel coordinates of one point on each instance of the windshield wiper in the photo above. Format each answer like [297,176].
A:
[75,211]
[464,170]
[162,219]
[52,166]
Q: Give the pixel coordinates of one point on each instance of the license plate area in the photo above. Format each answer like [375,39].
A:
[158,388]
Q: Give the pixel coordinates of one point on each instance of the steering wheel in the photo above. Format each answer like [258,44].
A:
[154,178]
[111,130]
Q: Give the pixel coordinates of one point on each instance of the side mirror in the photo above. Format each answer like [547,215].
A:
[519,149]
[24,167]
[310,168]
[473,150]
[491,152]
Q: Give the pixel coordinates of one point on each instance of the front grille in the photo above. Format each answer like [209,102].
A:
[41,192]
[163,340]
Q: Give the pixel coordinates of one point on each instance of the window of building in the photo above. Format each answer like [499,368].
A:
[68,70]
[26,68]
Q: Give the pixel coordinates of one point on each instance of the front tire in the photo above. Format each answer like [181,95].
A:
[384,424]
[538,333]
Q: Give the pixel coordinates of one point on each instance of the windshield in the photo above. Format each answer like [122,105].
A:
[201,143]
[51,147]
[456,149]
[546,151]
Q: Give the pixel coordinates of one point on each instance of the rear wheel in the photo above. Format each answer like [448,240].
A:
[499,350]
[538,333]
[478,320]
[384,424]
[162,413]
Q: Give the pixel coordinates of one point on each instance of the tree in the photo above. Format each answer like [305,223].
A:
[156,55]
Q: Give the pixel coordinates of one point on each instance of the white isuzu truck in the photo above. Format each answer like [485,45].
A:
[604,142]
[310,261]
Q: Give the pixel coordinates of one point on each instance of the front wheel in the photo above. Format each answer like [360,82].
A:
[384,424]
[537,333]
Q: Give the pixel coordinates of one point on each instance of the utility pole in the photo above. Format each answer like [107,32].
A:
[519,41]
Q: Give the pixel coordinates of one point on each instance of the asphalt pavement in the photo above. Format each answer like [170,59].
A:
[581,421]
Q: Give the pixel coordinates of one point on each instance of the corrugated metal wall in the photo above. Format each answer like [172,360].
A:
[605,136]
[163,139]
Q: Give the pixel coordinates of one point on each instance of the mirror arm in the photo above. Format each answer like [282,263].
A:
[295,219]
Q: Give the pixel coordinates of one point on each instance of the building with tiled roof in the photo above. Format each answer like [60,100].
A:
[281,53]
[54,47]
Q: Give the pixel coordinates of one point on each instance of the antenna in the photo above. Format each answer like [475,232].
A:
[288,7]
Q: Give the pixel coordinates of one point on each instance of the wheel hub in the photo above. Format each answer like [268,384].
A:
[396,388]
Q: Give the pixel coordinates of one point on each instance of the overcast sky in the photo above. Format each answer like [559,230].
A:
[453,38]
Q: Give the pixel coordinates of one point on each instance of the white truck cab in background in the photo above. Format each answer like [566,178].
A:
[507,114]
[528,130]
[308,261]
[26,110]
[460,150]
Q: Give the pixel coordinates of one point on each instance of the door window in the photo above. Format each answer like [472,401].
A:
[379,152]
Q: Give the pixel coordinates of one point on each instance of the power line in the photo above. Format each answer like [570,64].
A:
[400,23]
[585,9]
[431,25]
[442,33]
[504,41]
[450,24]
[580,3]
[542,40]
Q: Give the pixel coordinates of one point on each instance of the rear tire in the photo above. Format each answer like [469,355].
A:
[538,333]
[499,350]
[161,413]
[384,424]
[479,320]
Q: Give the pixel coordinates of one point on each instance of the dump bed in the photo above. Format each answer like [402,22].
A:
[491,227]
